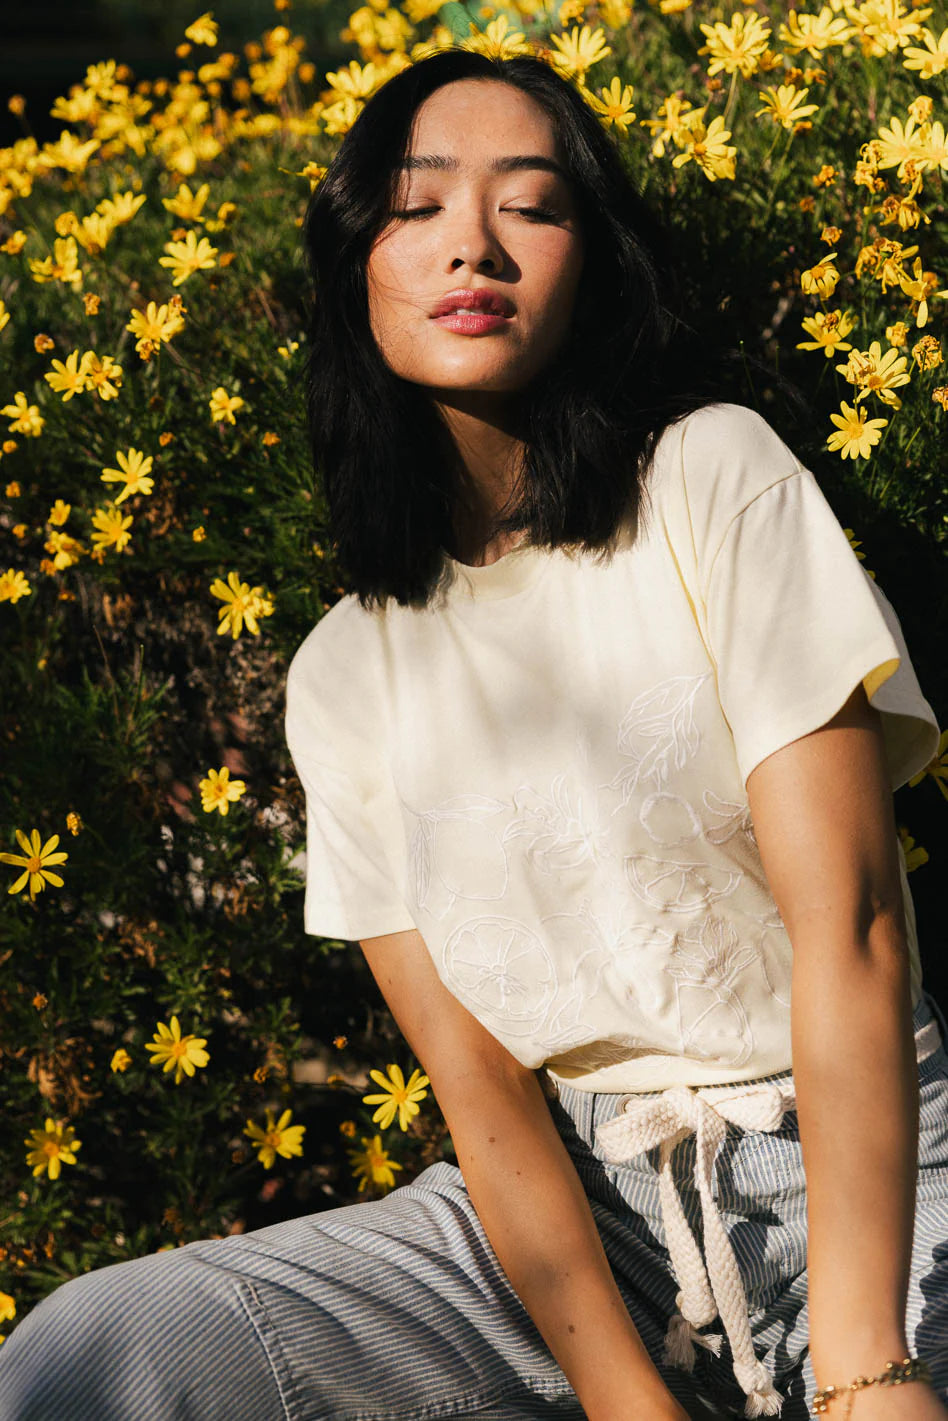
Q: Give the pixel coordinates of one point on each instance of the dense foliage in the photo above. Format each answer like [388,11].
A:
[161,1009]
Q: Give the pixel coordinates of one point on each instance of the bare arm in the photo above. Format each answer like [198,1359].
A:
[823,816]
[524,1188]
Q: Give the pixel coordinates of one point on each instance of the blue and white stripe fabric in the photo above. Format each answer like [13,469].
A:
[397,1310]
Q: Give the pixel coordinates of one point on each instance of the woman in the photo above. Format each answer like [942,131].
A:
[598,766]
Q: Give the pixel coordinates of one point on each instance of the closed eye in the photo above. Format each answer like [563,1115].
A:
[533,214]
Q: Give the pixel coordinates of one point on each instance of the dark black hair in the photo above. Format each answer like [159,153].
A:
[389,466]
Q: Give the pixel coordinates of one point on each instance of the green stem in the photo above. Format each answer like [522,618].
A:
[731,95]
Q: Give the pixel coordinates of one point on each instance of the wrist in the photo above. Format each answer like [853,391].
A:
[858,1351]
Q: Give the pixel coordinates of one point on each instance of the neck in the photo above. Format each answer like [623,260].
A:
[485,431]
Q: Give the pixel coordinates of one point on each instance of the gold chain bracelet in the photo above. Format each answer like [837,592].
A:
[910,1369]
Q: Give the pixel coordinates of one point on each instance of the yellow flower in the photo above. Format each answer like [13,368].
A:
[154,325]
[919,286]
[899,145]
[856,435]
[243,605]
[13,586]
[91,303]
[940,396]
[121,1060]
[186,204]
[59,512]
[786,105]
[615,105]
[497,41]
[706,145]
[51,1148]
[930,60]
[4,315]
[187,257]
[179,1053]
[203,30]
[112,529]
[7,1308]
[927,353]
[830,235]
[578,50]
[66,549]
[70,377]
[62,266]
[219,791]
[373,1164]
[829,330]
[874,373]
[814,33]
[35,862]
[121,208]
[281,1138]
[735,48]
[223,406]
[397,1096]
[73,822]
[133,471]
[666,124]
[25,418]
[198,534]
[914,856]
[105,377]
[14,244]
[821,278]
[937,766]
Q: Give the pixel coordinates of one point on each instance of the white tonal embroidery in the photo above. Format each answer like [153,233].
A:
[596,944]
[501,969]
[558,832]
[776,956]
[678,887]
[705,961]
[732,819]
[658,733]
[454,854]
[669,820]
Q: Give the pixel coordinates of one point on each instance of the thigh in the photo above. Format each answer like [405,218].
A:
[384,1311]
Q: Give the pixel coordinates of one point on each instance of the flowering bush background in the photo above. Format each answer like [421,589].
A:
[177,1059]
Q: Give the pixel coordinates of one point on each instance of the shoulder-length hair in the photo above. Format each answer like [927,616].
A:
[389,467]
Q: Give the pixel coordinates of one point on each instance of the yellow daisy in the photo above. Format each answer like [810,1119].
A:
[51,1148]
[243,605]
[25,418]
[13,586]
[855,435]
[70,377]
[203,30]
[397,1096]
[179,1053]
[35,862]
[120,1061]
[281,1138]
[133,471]
[223,406]
[112,529]
[187,257]
[373,1164]
[829,330]
[219,791]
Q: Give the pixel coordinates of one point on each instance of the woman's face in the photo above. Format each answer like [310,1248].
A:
[482,205]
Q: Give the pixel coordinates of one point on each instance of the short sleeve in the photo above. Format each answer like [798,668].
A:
[353,829]
[795,624]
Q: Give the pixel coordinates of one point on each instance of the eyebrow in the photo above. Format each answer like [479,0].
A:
[439,163]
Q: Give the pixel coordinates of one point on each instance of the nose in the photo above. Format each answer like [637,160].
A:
[473,243]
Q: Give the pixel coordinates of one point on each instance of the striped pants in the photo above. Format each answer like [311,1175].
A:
[397,1310]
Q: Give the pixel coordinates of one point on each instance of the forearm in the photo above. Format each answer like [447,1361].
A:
[535,1213]
[857,1100]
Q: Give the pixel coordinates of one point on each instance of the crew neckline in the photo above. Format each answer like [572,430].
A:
[513,572]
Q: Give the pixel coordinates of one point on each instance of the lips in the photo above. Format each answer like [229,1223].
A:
[481,300]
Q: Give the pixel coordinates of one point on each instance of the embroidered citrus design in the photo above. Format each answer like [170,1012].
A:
[499,967]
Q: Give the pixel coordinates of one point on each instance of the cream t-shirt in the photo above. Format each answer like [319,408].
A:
[544,770]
